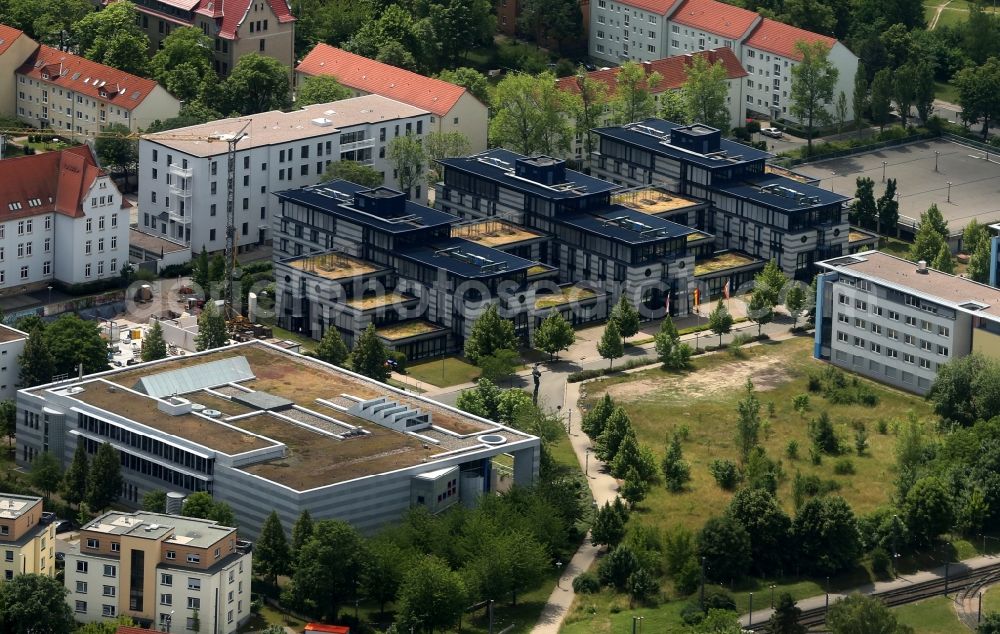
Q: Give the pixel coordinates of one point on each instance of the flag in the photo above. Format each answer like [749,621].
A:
[725,290]
[667,303]
[697,298]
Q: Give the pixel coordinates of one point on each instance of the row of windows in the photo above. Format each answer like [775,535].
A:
[891,353]
[145,443]
[106,609]
[910,320]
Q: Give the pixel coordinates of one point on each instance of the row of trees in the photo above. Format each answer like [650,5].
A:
[92,485]
[60,347]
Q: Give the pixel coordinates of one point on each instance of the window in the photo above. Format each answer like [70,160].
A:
[81,606]
[925,364]
[925,325]
[110,570]
[842,336]
[860,323]
[166,599]
[171,554]
[842,318]
[944,331]
[842,299]
[114,264]
[194,603]
[911,320]
[109,591]
[25,274]
[114,242]
[876,348]
[860,305]
[907,358]
[166,580]
[942,350]
[86,270]
[194,583]
[859,342]
[892,334]
[108,610]
[93,543]
[908,340]
[194,559]
[87,247]
[889,352]
[81,566]
[877,329]
[893,315]
[81,586]
[925,345]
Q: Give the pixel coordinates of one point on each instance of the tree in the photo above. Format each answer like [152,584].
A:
[370,355]
[979,263]
[888,208]
[626,317]
[923,90]
[859,100]
[590,107]
[979,93]
[35,603]
[720,321]
[932,232]
[554,334]
[673,107]
[331,348]
[431,596]
[747,421]
[785,619]
[795,300]
[864,209]
[559,22]
[841,111]
[768,526]
[760,310]
[183,63]
[617,427]
[706,92]
[321,89]
[104,481]
[860,614]
[596,418]
[725,546]
[974,234]
[827,535]
[198,504]
[470,79]
[328,568]
[490,333]
[112,37]
[46,474]
[903,87]
[407,156]
[530,115]
[442,145]
[943,261]
[153,345]
[382,570]
[673,354]
[881,98]
[630,456]
[990,624]
[257,83]
[354,172]
[106,627]
[36,364]
[116,149]
[633,99]
[302,532]
[633,488]
[610,346]
[211,328]
[813,80]
[155,501]
[8,420]
[609,524]
[74,341]
[676,471]
[928,509]
[201,270]
[75,479]
[48,22]
[271,555]
[499,366]
[770,282]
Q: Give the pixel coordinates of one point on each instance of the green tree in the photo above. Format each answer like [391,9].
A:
[370,355]
[979,263]
[8,420]
[827,535]
[554,334]
[673,354]
[633,488]
[498,366]
[382,570]
[35,603]
[200,274]
[270,552]
[75,479]
[631,456]
[530,115]
[626,317]
[328,568]
[112,36]
[431,596]
[795,301]
[859,100]
[470,79]
[641,586]
[257,83]
[222,514]
[198,504]
[558,21]
[673,107]
[48,22]
[928,510]
[748,421]
[302,532]
[407,156]
[720,321]
[153,345]
[841,111]
[860,614]
[74,341]
[990,624]
[974,234]
[618,565]
[768,526]
[979,93]
[105,627]
[633,99]
[104,480]
[36,364]
[609,524]
[760,310]
[725,547]
[615,429]
[331,348]
[117,148]
[903,90]
[785,619]
[610,346]
[706,92]
[676,470]
[321,89]
[211,328]
[864,209]
[442,145]
[155,501]
[932,233]
[353,172]
[943,261]
[813,80]
[490,333]
[595,419]
[771,281]
[589,111]
[183,62]
[924,90]
[46,474]
[888,208]
[880,100]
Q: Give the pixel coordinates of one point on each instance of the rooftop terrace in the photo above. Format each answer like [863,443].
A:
[652,200]
[493,233]
[723,262]
[567,295]
[333,266]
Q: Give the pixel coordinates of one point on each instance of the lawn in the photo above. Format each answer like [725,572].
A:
[444,372]
[991,599]
[930,616]
[945,92]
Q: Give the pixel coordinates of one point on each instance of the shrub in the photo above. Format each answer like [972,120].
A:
[823,435]
[792,450]
[844,466]
[882,426]
[692,614]
[880,562]
[688,578]
[815,455]
[800,403]
[815,384]
[719,600]
[586,583]
[725,472]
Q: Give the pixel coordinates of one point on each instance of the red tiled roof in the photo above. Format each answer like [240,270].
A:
[715,17]
[672,69]
[86,77]
[374,77]
[779,38]
[58,181]
[7,36]
[333,629]
[231,13]
[659,7]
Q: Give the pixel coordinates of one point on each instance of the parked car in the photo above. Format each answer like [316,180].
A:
[774,133]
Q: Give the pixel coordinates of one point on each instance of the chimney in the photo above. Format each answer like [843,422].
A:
[922,267]
[81,371]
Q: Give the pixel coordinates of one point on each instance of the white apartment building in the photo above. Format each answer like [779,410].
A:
[647,30]
[183,172]
[11,346]
[27,537]
[174,573]
[61,218]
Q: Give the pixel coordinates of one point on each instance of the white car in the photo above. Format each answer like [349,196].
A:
[774,133]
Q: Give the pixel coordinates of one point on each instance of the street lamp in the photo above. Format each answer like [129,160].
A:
[750,611]
[936,155]
[884,163]
[773,586]
[949,191]
[637,620]
[50,295]
[828,593]
[559,574]
[586,463]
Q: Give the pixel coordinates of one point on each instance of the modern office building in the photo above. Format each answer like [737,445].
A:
[753,209]
[646,30]
[64,221]
[453,108]
[27,537]
[897,321]
[236,27]
[263,428]
[183,172]
[170,572]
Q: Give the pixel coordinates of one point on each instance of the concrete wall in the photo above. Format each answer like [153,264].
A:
[10,61]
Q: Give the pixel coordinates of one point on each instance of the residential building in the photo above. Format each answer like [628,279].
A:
[161,570]
[183,172]
[237,27]
[753,209]
[78,97]
[15,47]
[453,108]
[646,30]
[263,428]
[11,346]
[897,321]
[27,537]
[673,71]
[61,218]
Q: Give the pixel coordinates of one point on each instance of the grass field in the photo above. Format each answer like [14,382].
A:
[444,372]
[930,616]
[991,600]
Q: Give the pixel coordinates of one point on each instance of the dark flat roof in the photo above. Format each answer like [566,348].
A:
[623,224]
[451,255]
[337,198]
[490,165]
[785,194]
[654,135]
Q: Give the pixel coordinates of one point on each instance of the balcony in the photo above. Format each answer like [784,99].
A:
[180,172]
[357,145]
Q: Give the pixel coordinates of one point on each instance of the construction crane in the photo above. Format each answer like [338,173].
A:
[231,139]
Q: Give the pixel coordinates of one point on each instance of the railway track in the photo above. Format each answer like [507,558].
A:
[959,580]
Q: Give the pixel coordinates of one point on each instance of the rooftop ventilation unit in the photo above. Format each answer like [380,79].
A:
[211,413]
[322,122]
[485,264]
[388,413]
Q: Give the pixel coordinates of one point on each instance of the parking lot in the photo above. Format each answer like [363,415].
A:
[923,172]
